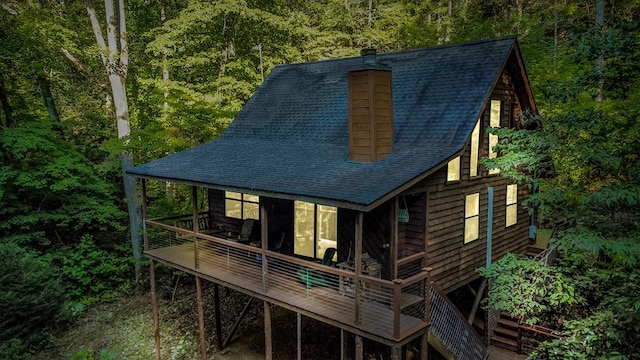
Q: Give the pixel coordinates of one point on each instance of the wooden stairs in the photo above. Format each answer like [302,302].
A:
[507,333]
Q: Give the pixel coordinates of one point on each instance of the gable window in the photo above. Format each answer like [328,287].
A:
[494,122]
[241,206]
[471,217]
[453,169]
[475,144]
[315,229]
[512,205]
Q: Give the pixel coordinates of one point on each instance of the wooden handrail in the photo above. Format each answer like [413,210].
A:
[410,258]
[176,217]
[168,227]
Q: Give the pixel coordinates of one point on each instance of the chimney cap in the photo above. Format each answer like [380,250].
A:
[368,51]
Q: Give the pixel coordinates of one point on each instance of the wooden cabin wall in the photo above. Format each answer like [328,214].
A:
[411,234]
[376,236]
[217,214]
[280,217]
[453,262]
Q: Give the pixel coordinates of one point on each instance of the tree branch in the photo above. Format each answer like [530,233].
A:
[124,50]
[73,59]
[8,9]
[111,28]
[97,32]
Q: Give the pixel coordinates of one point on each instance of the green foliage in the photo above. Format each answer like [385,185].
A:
[49,191]
[32,297]
[90,354]
[540,288]
[93,274]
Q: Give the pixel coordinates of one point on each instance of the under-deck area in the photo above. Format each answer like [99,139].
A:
[386,311]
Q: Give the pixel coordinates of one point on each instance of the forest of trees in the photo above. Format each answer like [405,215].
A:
[82,97]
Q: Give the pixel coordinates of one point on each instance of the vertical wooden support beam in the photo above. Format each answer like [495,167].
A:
[427,296]
[359,349]
[394,239]
[358,266]
[396,352]
[425,261]
[203,342]
[264,240]
[424,346]
[145,231]
[299,335]
[154,307]
[397,302]
[196,249]
[216,306]
[343,344]
[268,346]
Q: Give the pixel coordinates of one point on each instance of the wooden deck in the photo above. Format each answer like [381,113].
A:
[329,305]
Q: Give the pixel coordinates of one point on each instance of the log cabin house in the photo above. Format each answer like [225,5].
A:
[376,157]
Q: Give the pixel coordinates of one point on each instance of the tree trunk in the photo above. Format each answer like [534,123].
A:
[6,107]
[116,64]
[45,89]
[600,58]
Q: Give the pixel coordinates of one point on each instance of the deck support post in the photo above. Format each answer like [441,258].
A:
[299,335]
[359,349]
[396,352]
[476,302]
[268,346]
[145,231]
[216,307]
[154,307]
[237,323]
[194,197]
[203,342]
[264,242]
[358,266]
[424,345]
[343,344]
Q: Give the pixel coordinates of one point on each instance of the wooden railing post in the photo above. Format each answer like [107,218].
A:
[145,231]
[397,306]
[427,296]
[196,250]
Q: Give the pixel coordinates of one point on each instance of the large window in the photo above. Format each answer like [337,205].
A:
[494,122]
[512,205]
[453,169]
[471,217]
[241,206]
[475,144]
[315,229]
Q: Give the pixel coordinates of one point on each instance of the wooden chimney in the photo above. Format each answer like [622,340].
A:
[370,110]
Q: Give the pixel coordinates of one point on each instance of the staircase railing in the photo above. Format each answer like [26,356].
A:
[452,329]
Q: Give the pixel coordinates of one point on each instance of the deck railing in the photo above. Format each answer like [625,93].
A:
[391,309]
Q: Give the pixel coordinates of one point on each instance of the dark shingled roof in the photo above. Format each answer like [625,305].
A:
[291,138]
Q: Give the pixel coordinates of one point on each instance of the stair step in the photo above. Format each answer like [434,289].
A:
[508,323]
[508,332]
[504,343]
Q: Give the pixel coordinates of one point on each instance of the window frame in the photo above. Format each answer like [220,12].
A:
[242,201]
[493,139]
[474,153]
[511,205]
[449,165]
[475,216]
[317,229]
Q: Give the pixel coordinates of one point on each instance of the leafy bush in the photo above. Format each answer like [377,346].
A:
[92,273]
[32,297]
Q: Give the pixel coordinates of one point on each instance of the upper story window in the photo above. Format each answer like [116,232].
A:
[315,229]
[494,122]
[512,205]
[241,206]
[453,169]
[471,217]
[475,147]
